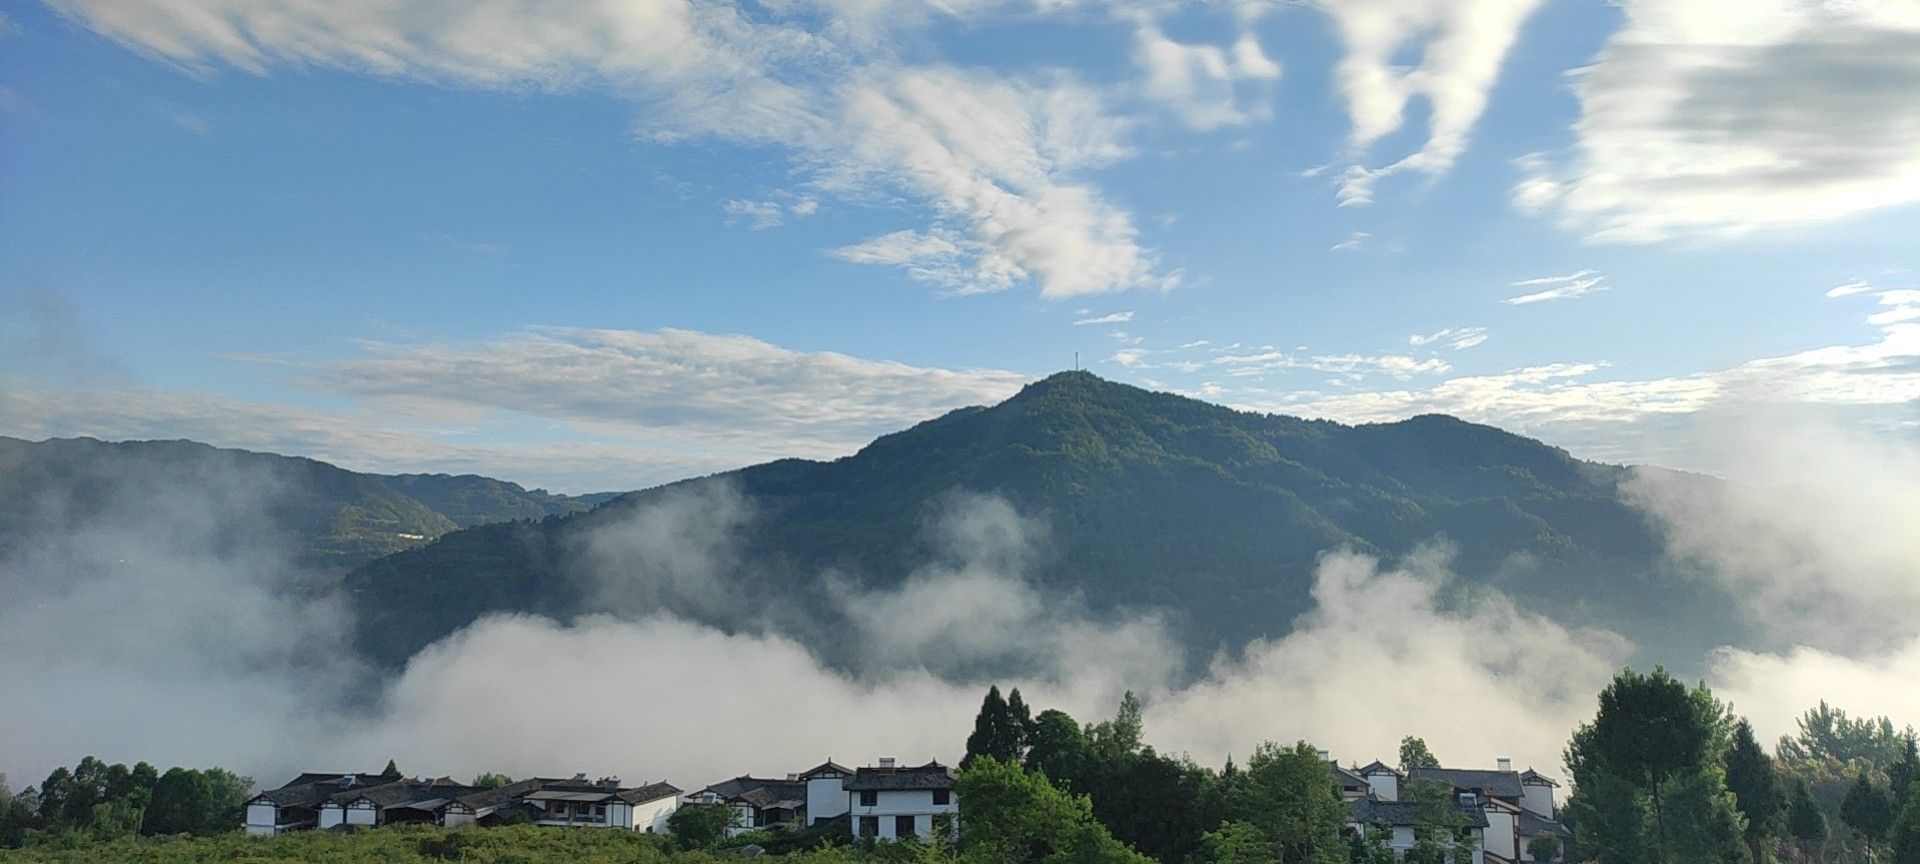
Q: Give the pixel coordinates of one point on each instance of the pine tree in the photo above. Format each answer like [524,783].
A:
[1019,724]
[989,729]
[1805,822]
[392,772]
[1751,778]
[1906,833]
[1868,809]
[1902,775]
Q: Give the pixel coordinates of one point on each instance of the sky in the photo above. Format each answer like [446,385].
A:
[619,244]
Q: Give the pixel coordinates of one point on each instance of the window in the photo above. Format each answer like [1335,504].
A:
[869,798]
[903,827]
[869,826]
[940,797]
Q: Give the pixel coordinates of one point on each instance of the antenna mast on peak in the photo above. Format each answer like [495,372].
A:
[1076,361]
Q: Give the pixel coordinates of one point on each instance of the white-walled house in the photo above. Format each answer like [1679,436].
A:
[1504,809]
[338,801]
[296,804]
[826,791]
[759,802]
[891,802]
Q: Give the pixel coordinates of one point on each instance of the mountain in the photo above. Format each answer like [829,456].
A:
[341,519]
[1150,500]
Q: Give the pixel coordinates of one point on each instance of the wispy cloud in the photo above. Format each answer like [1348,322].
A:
[1849,289]
[1461,46]
[1566,287]
[1457,338]
[996,158]
[642,406]
[1353,242]
[1109,318]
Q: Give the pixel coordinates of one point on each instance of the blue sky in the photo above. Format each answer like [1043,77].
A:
[619,245]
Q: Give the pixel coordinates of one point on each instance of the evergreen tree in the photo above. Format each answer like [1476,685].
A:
[1020,723]
[1649,729]
[1704,823]
[1414,754]
[1902,774]
[1756,788]
[1236,843]
[1868,809]
[1906,833]
[1805,823]
[392,772]
[992,731]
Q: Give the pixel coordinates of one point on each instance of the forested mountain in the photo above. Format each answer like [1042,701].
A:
[1148,500]
[340,519]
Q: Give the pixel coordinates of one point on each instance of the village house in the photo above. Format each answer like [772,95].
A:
[337,801]
[1501,810]
[891,802]
[759,802]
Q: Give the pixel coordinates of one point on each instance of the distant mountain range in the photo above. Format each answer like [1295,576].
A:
[339,519]
[1150,500]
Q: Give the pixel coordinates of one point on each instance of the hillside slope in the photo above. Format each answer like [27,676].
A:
[1149,500]
[338,519]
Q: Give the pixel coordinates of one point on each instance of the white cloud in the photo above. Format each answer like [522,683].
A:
[1201,84]
[1723,117]
[635,408]
[1647,419]
[1420,655]
[993,156]
[755,214]
[1564,287]
[1353,242]
[1457,338]
[1109,318]
[1462,46]
[1849,289]
[1396,365]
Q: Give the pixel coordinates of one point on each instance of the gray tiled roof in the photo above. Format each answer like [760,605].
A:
[1373,811]
[1499,784]
[1532,776]
[1532,824]
[932,775]
[649,792]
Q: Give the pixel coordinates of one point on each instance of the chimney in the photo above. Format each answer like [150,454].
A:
[886,761]
[1505,763]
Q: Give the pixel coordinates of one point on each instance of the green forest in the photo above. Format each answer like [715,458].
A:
[1663,774]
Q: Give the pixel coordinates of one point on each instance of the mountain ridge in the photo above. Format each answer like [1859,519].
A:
[342,518]
[1151,500]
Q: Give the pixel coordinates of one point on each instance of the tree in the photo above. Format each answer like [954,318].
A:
[1543,848]
[490,780]
[1121,735]
[1756,788]
[1902,774]
[1289,793]
[1020,719]
[1607,818]
[1414,754]
[1236,843]
[391,772]
[1827,732]
[1906,833]
[1868,809]
[1057,747]
[995,732]
[1805,823]
[1649,729]
[702,826]
[1014,816]
[202,803]
[1705,824]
